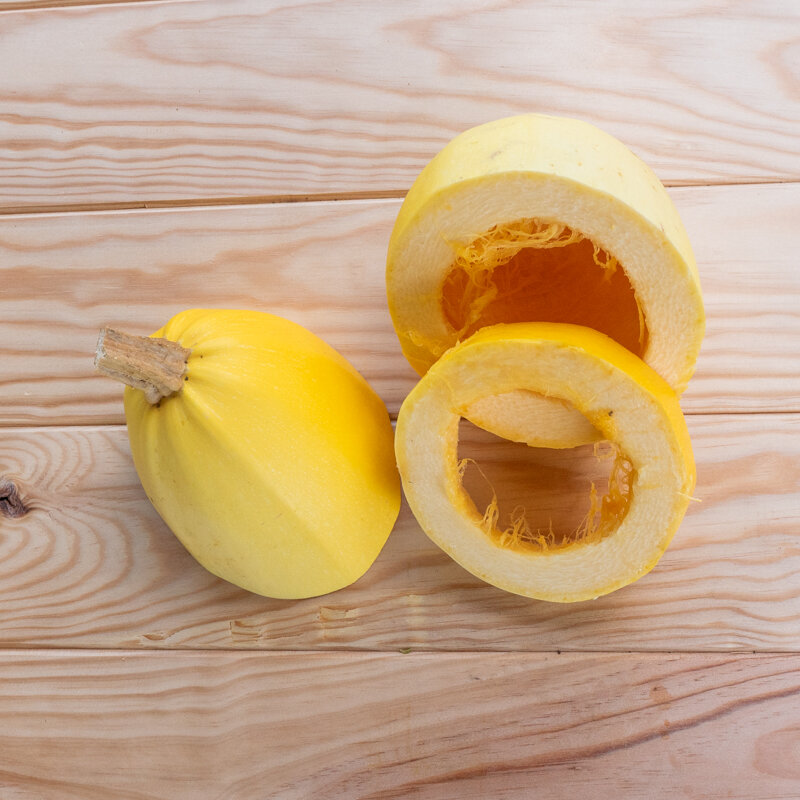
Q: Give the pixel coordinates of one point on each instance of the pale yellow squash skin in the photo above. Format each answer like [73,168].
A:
[619,395]
[550,169]
[274,465]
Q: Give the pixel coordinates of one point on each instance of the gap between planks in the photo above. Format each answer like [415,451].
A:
[344,653]
[213,202]
[321,197]
[110,426]
[352,650]
[55,5]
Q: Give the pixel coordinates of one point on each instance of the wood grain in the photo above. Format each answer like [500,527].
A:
[92,565]
[187,100]
[382,727]
[63,277]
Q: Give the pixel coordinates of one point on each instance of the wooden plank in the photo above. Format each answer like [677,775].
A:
[321,264]
[62,277]
[366,727]
[91,564]
[194,100]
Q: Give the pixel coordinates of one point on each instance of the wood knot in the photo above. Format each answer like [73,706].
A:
[11,504]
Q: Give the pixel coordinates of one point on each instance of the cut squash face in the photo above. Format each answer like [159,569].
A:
[527,271]
[624,533]
[537,218]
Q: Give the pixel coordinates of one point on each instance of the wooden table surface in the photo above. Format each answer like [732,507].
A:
[167,154]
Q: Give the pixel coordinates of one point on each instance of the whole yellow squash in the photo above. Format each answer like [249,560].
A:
[270,457]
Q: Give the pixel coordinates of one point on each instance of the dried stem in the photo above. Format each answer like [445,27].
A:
[156,366]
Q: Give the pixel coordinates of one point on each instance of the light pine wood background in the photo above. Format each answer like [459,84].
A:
[157,155]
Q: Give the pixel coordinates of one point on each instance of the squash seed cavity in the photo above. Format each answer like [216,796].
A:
[535,509]
[529,270]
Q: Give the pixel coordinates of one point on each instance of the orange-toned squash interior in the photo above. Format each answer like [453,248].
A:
[529,271]
[539,499]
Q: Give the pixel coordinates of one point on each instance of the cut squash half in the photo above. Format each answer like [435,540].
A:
[615,394]
[538,218]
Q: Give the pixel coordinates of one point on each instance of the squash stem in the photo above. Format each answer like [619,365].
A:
[156,366]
